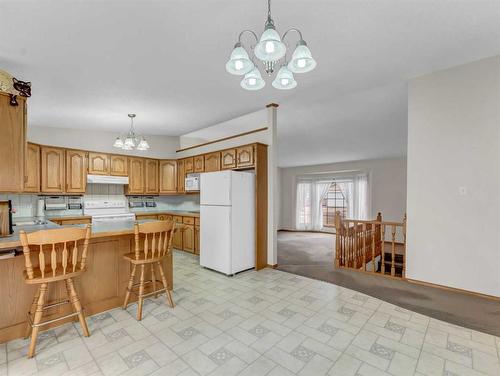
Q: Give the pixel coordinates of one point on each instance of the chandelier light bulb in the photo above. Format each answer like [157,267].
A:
[284,79]
[253,80]
[270,46]
[239,63]
[302,60]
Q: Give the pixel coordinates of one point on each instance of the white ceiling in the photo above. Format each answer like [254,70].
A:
[92,62]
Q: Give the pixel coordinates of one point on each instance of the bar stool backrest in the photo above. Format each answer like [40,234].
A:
[157,239]
[58,251]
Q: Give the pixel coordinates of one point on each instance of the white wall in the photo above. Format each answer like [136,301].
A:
[387,179]
[262,118]
[161,146]
[454,142]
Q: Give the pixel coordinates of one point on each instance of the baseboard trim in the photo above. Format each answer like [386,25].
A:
[454,289]
[312,231]
[272,266]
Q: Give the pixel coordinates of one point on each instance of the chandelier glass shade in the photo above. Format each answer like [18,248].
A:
[131,140]
[270,50]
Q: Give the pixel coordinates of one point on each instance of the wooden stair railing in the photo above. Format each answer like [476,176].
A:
[364,245]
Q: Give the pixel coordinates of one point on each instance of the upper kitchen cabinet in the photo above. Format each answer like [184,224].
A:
[119,165]
[245,156]
[76,171]
[228,159]
[12,144]
[188,165]
[151,180]
[32,180]
[212,162]
[52,169]
[98,164]
[135,176]
[168,177]
[181,176]
[199,163]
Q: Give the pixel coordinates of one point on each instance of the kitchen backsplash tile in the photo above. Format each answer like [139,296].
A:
[25,205]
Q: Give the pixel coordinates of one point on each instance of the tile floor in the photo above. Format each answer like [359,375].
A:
[258,323]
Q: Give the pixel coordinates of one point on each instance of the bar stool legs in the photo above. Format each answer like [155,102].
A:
[129,286]
[75,301]
[37,318]
[32,312]
[140,299]
[170,301]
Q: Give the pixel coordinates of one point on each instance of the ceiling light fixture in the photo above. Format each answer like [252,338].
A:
[131,140]
[270,49]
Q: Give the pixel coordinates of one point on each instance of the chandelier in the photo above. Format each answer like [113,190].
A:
[131,140]
[271,51]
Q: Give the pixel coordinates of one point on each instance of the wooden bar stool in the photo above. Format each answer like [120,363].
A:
[157,246]
[59,259]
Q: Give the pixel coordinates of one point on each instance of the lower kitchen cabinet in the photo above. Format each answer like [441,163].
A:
[197,239]
[177,241]
[188,238]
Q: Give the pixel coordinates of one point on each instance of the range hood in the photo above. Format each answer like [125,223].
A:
[106,179]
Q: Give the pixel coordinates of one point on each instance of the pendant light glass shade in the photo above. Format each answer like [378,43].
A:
[143,145]
[239,63]
[118,143]
[270,46]
[253,80]
[302,60]
[284,79]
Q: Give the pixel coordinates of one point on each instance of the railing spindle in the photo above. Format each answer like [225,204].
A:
[382,239]
[364,247]
[393,249]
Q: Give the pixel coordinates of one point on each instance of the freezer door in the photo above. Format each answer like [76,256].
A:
[215,188]
[215,238]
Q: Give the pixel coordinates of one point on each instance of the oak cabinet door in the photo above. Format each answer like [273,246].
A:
[199,163]
[177,240]
[168,176]
[188,238]
[136,176]
[12,144]
[212,162]
[76,171]
[32,180]
[181,176]
[119,165]
[98,164]
[151,176]
[244,156]
[197,240]
[228,159]
[52,161]
[188,165]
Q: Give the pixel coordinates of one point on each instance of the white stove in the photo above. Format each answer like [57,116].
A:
[107,210]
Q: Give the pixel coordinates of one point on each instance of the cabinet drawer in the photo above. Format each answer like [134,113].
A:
[177,219]
[164,217]
[147,216]
[188,220]
[75,221]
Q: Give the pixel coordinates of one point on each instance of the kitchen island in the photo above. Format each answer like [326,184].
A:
[100,288]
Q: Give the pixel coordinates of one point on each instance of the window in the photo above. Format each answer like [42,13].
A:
[334,200]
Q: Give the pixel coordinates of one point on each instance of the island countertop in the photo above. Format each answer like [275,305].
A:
[99,230]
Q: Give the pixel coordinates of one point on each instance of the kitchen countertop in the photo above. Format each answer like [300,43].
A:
[99,230]
[185,213]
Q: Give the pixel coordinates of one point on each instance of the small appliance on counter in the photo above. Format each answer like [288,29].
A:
[135,202]
[6,218]
[192,182]
[149,202]
[55,203]
[75,203]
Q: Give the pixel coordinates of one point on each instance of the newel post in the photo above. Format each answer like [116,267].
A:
[338,223]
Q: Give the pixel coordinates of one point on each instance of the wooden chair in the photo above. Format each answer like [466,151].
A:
[156,247]
[59,259]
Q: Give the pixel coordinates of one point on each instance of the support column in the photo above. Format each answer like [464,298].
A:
[273,185]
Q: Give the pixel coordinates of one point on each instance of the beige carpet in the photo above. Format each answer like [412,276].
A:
[311,255]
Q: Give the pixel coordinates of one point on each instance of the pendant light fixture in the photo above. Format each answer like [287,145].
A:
[132,140]
[270,50]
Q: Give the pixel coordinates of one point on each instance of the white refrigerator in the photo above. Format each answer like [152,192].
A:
[227,221]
